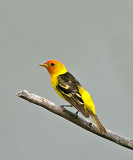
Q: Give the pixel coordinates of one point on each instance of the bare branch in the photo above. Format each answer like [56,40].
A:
[84,123]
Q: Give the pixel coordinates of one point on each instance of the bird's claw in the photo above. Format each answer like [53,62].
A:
[77,113]
[62,106]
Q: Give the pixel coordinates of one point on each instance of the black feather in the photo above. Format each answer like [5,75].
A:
[69,88]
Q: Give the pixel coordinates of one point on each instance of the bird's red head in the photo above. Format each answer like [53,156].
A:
[54,67]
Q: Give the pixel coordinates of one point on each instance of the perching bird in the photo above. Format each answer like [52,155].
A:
[68,88]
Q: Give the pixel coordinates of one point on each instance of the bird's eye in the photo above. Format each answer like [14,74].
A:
[52,64]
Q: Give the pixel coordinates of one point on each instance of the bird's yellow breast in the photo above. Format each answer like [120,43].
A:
[54,82]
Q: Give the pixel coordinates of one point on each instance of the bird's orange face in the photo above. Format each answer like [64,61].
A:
[54,67]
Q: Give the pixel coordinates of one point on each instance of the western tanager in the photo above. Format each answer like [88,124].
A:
[68,88]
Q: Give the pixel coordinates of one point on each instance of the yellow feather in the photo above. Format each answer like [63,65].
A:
[54,82]
[87,100]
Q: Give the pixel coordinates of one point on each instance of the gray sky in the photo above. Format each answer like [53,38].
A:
[94,39]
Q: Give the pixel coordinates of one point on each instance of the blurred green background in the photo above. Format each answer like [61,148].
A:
[94,39]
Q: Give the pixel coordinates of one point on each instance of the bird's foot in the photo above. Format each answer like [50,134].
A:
[62,106]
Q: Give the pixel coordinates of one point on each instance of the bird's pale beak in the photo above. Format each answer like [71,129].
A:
[43,65]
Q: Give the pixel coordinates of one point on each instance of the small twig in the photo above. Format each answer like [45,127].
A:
[89,126]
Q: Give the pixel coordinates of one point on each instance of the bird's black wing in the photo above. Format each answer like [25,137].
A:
[68,86]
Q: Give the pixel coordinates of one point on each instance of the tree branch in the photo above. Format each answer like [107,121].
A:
[84,123]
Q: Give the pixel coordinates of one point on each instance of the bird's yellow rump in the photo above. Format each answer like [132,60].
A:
[68,88]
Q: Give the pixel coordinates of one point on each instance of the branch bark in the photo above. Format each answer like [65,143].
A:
[84,123]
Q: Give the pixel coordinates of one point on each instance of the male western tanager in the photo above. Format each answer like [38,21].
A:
[67,87]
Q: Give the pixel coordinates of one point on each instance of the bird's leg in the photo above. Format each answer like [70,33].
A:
[62,106]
